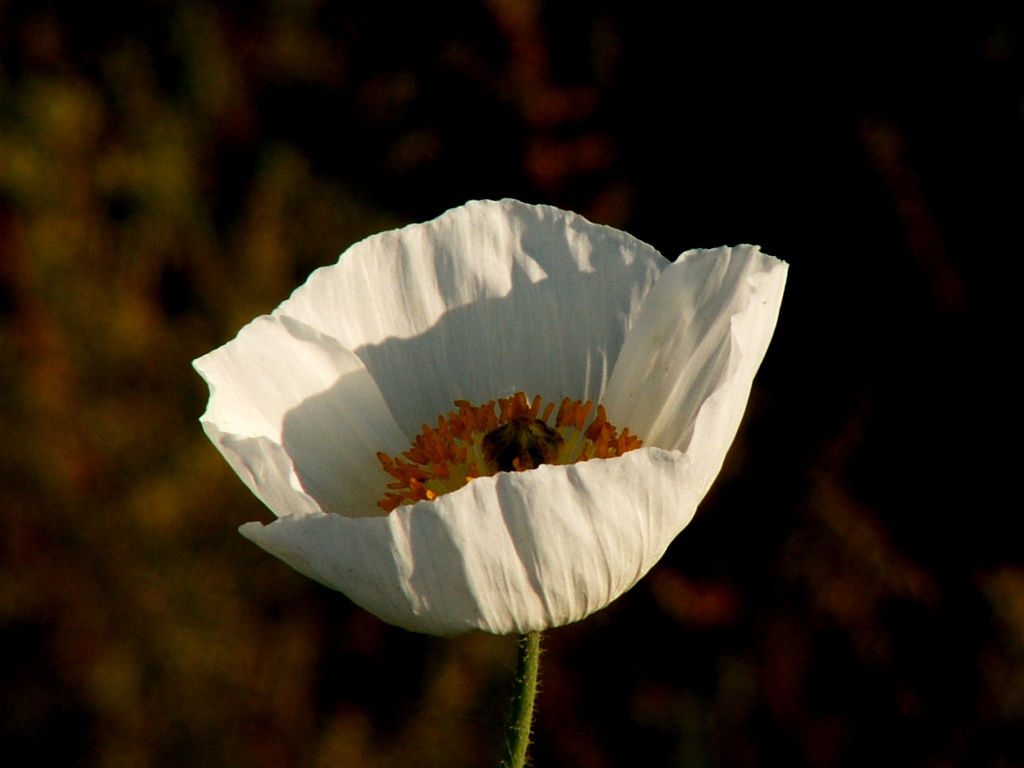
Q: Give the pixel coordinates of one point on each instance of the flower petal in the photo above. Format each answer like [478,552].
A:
[515,552]
[299,418]
[486,300]
[684,373]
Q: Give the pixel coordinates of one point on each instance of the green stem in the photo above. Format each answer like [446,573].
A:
[521,716]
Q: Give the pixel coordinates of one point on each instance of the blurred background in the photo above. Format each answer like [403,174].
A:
[851,592]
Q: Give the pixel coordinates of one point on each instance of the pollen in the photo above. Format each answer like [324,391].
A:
[512,434]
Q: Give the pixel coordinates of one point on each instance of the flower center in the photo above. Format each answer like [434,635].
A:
[510,435]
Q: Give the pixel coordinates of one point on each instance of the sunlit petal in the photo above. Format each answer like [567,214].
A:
[684,373]
[515,552]
[298,416]
[489,299]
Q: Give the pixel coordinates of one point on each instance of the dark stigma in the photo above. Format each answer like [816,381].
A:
[522,443]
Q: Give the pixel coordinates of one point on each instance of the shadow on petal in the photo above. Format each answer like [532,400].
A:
[332,439]
[439,581]
[556,337]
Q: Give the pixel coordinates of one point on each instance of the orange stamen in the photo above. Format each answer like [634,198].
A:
[444,458]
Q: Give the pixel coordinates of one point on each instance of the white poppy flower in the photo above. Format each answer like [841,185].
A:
[486,301]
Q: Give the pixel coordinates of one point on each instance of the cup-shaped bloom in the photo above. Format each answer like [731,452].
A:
[309,403]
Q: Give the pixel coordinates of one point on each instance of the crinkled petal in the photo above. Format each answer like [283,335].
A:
[488,299]
[299,418]
[684,374]
[511,553]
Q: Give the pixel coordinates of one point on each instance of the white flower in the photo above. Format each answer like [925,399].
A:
[487,300]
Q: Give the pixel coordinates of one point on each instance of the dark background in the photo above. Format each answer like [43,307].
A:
[851,592]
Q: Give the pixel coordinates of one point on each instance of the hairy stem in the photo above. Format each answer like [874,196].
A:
[521,716]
